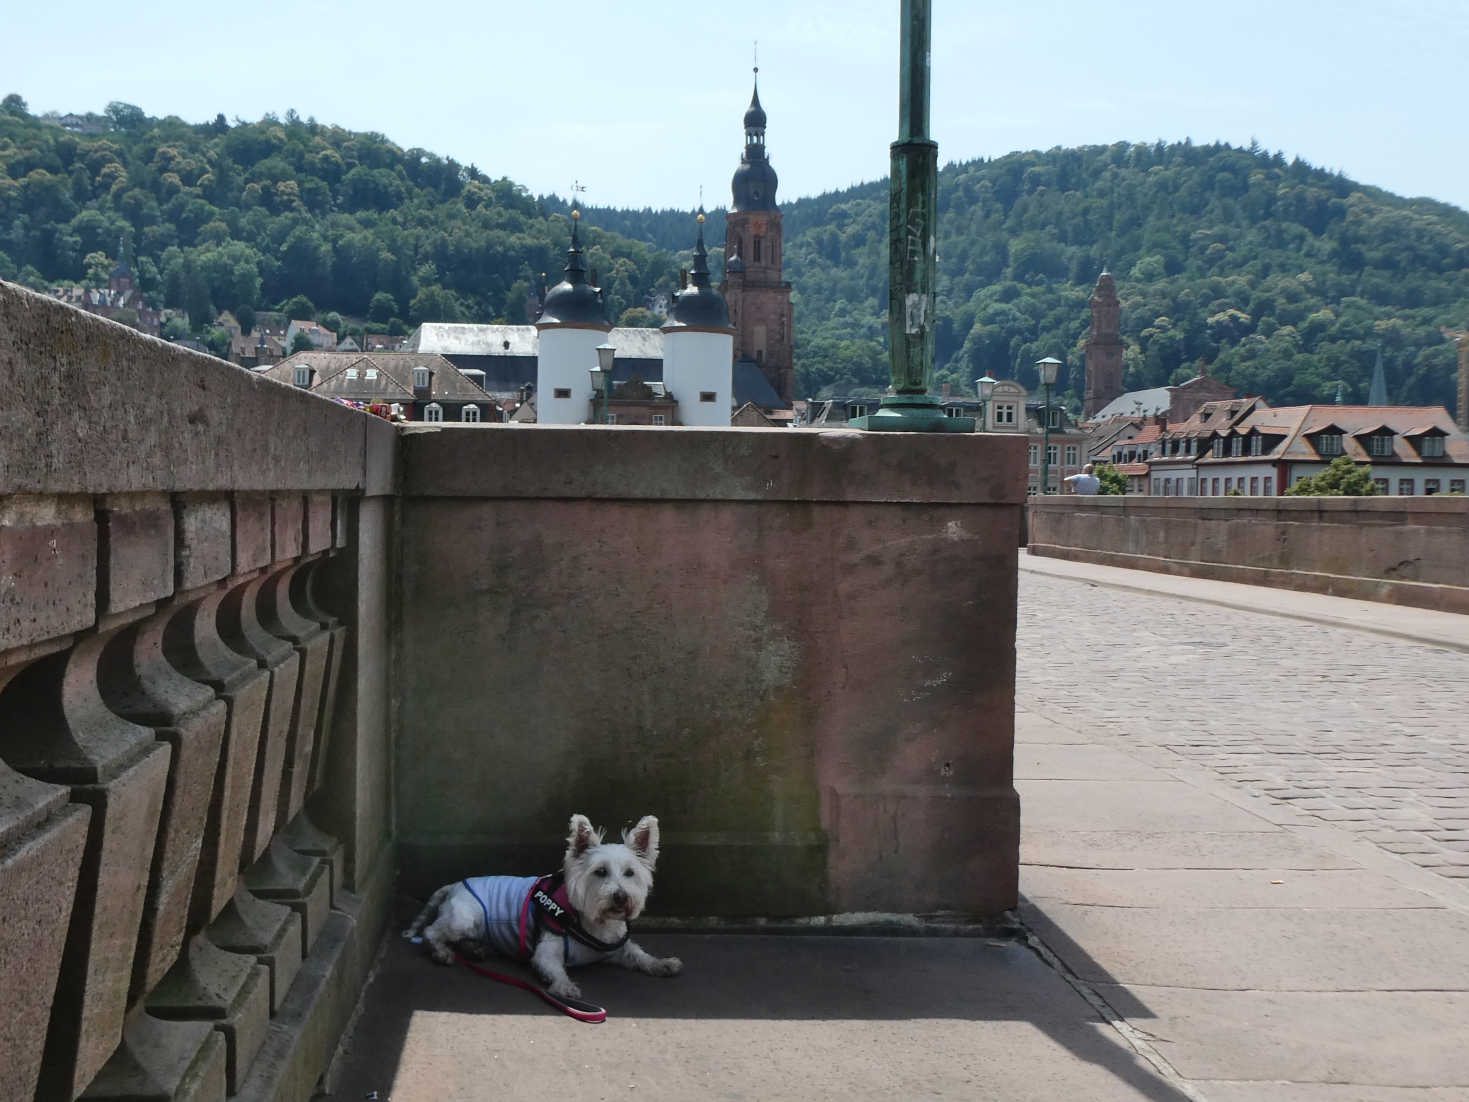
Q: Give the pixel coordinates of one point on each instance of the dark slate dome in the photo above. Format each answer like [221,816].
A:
[755,116]
[574,301]
[698,305]
[754,183]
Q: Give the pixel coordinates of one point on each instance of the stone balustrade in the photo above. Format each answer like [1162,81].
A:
[190,579]
[1405,550]
[245,630]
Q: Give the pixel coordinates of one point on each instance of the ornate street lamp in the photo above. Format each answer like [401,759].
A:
[602,382]
[1048,368]
[986,388]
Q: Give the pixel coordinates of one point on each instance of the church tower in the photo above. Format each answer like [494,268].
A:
[759,299]
[1103,348]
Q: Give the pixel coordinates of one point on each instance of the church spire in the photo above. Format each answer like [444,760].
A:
[754,183]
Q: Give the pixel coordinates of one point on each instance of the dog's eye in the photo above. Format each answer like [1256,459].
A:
[602,871]
[627,872]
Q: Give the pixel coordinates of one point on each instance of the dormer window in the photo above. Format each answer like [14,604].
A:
[1255,443]
[1328,444]
[1379,445]
[420,378]
[1053,417]
[303,376]
[1431,447]
[351,373]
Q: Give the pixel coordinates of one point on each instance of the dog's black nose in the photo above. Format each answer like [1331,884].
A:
[619,897]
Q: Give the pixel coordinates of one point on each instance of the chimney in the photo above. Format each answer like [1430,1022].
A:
[948,391]
[683,279]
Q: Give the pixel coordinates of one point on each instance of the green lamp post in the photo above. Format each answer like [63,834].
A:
[912,246]
[602,383]
[985,386]
[1048,368]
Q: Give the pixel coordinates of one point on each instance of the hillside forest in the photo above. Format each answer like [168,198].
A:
[1280,278]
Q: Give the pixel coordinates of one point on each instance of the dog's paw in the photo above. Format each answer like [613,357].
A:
[666,966]
[565,990]
[442,954]
[475,950]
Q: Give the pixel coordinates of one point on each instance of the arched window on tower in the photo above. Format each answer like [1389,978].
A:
[757,249]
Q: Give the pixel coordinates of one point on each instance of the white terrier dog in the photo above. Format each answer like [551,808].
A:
[575,917]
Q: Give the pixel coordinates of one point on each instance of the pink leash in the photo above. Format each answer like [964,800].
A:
[574,1008]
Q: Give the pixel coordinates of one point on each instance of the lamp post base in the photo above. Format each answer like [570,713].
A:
[911,413]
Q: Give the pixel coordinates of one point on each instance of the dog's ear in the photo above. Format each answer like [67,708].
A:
[643,840]
[582,837]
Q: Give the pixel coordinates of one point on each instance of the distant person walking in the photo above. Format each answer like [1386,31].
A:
[1084,483]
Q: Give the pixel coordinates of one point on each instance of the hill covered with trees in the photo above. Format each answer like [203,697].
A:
[1282,279]
[217,217]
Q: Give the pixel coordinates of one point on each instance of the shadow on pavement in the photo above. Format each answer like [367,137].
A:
[734,978]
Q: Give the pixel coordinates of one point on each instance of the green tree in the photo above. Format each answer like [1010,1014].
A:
[13,104]
[382,307]
[301,343]
[245,315]
[1112,480]
[1342,478]
[297,308]
[639,317]
[126,116]
[98,267]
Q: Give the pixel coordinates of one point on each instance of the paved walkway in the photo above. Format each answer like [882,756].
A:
[1244,829]
[1243,869]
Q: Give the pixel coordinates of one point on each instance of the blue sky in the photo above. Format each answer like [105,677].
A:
[642,102]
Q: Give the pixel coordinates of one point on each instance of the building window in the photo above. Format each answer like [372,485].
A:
[351,373]
[1405,487]
[953,411]
[855,410]
[469,414]
[611,418]
[1072,454]
[1456,485]
[1430,485]
[303,376]
[1379,445]
[433,412]
[420,378]
[707,396]
[1005,414]
[1219,446]
[1431,447]
[561,392]
[1269,486]
[1254,483]
[1235,445]
[1215,491]
[1255,444]
[659,419]
[370,373]
[1328,443]
[1053,417]
[1053,454]
[1035,455]
[1383,485]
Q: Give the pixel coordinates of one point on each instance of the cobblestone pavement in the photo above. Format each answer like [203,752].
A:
[1368,733]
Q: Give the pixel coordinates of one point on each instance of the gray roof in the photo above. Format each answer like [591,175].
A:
[467,339]
[1137,403]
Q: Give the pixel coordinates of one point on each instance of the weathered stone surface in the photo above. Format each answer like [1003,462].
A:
[252,531]
[203,527]
[280,617]
[317,534]
[161,1061]
[303,597]
[240,627]
[42,838]
[139,684]
[193,646]
[195,423]
[781,679]
[355,800]
[766,465]
[270,932]
[135,557]
[48,568]
[231,991]
[287,515]
[300,882]
[305,837]
[119,771]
